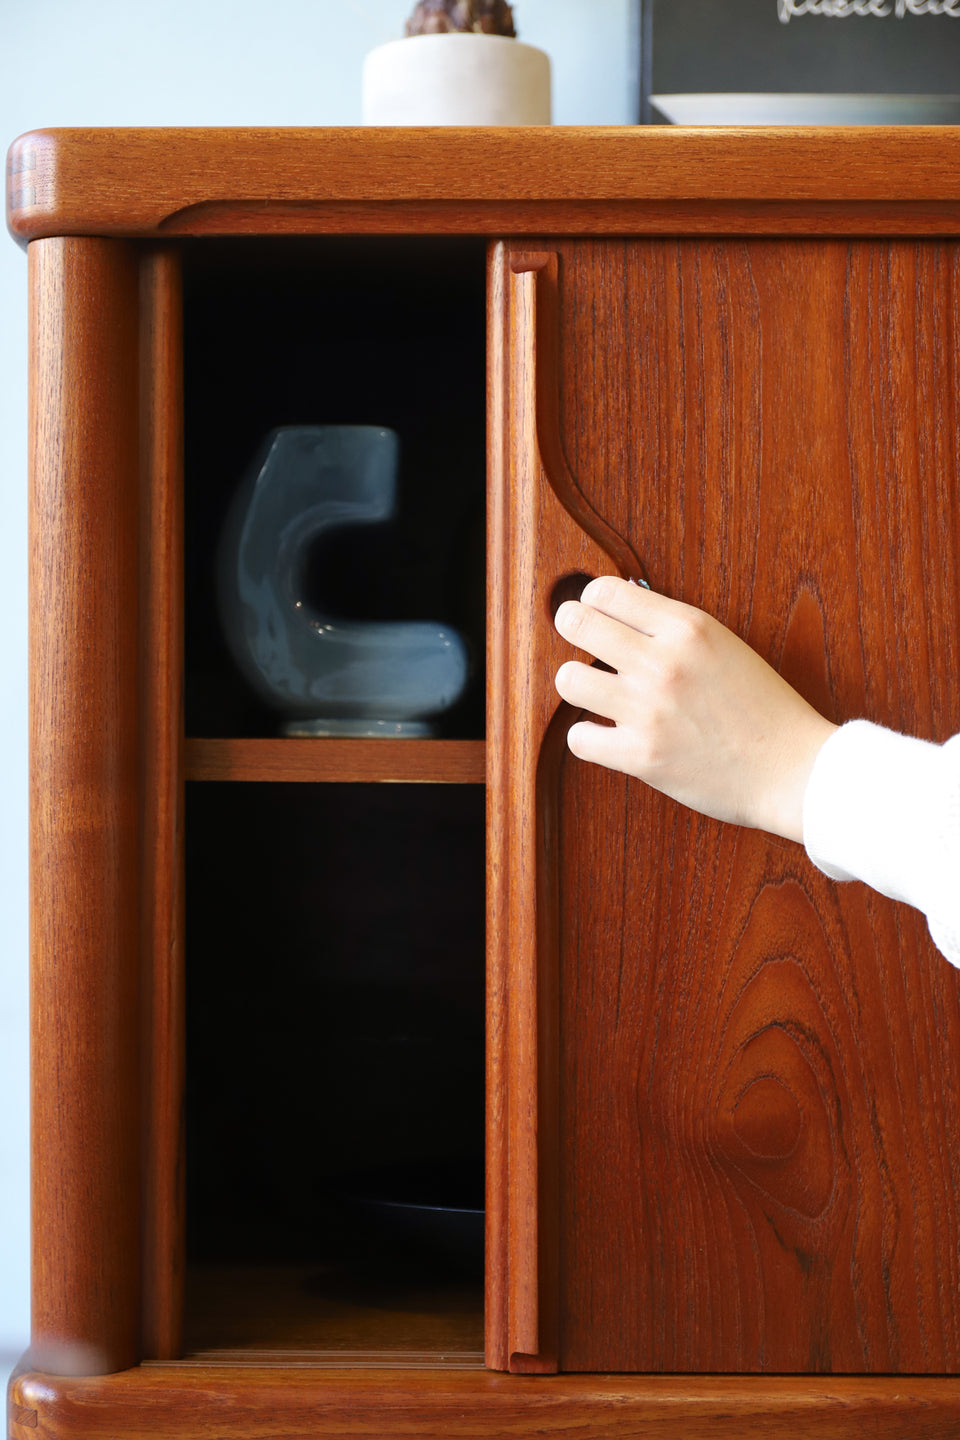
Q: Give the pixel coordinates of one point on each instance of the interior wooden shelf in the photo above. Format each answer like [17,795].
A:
[296,1314]
[436,762]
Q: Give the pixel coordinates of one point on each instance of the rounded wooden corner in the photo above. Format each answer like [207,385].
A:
[42,1406]
[31,168]
[29,1396]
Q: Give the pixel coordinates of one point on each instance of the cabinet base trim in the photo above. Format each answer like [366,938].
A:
[286,1403]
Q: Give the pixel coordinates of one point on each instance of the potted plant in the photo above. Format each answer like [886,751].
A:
[460,64]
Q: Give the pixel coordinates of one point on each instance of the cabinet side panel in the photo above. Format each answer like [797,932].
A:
[760,1070]
[83,782]
[162,770]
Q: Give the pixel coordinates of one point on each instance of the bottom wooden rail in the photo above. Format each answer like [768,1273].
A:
[295,1403]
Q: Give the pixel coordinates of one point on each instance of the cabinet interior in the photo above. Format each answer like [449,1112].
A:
[386,332]
[335,931]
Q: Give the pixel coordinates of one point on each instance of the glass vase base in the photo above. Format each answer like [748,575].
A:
[360,729]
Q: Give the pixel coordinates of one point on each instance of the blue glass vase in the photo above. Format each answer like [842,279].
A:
[324,674]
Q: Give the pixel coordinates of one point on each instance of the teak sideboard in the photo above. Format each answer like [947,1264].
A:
[721,1093]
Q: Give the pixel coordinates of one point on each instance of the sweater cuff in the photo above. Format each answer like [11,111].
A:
[880,807]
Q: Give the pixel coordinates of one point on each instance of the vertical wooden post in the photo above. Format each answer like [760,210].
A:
[542,535]
[83,782]
[162,789]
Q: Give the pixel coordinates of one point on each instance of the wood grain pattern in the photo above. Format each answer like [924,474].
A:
[161,782]
[760,1070]
[83,791]
[543,533]
[249,1313]
[580,179]
[566,217]
[339,1357]
[267,1403]
[409,762]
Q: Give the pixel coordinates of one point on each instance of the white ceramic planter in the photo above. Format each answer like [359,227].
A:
[456,80]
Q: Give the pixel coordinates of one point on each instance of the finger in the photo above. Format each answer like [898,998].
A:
[612,641]
[643,610]
[590,689]
[600,744]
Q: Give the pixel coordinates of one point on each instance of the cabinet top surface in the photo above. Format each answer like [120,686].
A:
[157,182]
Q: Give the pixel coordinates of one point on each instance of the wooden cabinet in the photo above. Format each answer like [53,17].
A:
[720,1090]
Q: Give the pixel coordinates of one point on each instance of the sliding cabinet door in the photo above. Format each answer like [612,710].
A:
[725,1092]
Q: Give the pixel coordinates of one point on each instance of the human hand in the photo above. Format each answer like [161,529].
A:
[697,714]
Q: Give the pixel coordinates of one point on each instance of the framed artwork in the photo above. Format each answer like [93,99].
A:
[710,61]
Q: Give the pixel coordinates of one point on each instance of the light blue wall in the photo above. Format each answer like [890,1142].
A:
[182,62]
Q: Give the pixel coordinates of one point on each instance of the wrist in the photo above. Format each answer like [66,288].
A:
[786,810]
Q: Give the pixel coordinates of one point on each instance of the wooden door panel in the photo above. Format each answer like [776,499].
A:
[759,1070]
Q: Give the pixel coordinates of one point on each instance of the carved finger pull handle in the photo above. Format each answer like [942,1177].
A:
[547,542]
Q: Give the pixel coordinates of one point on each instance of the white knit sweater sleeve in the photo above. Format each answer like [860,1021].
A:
[885,809]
